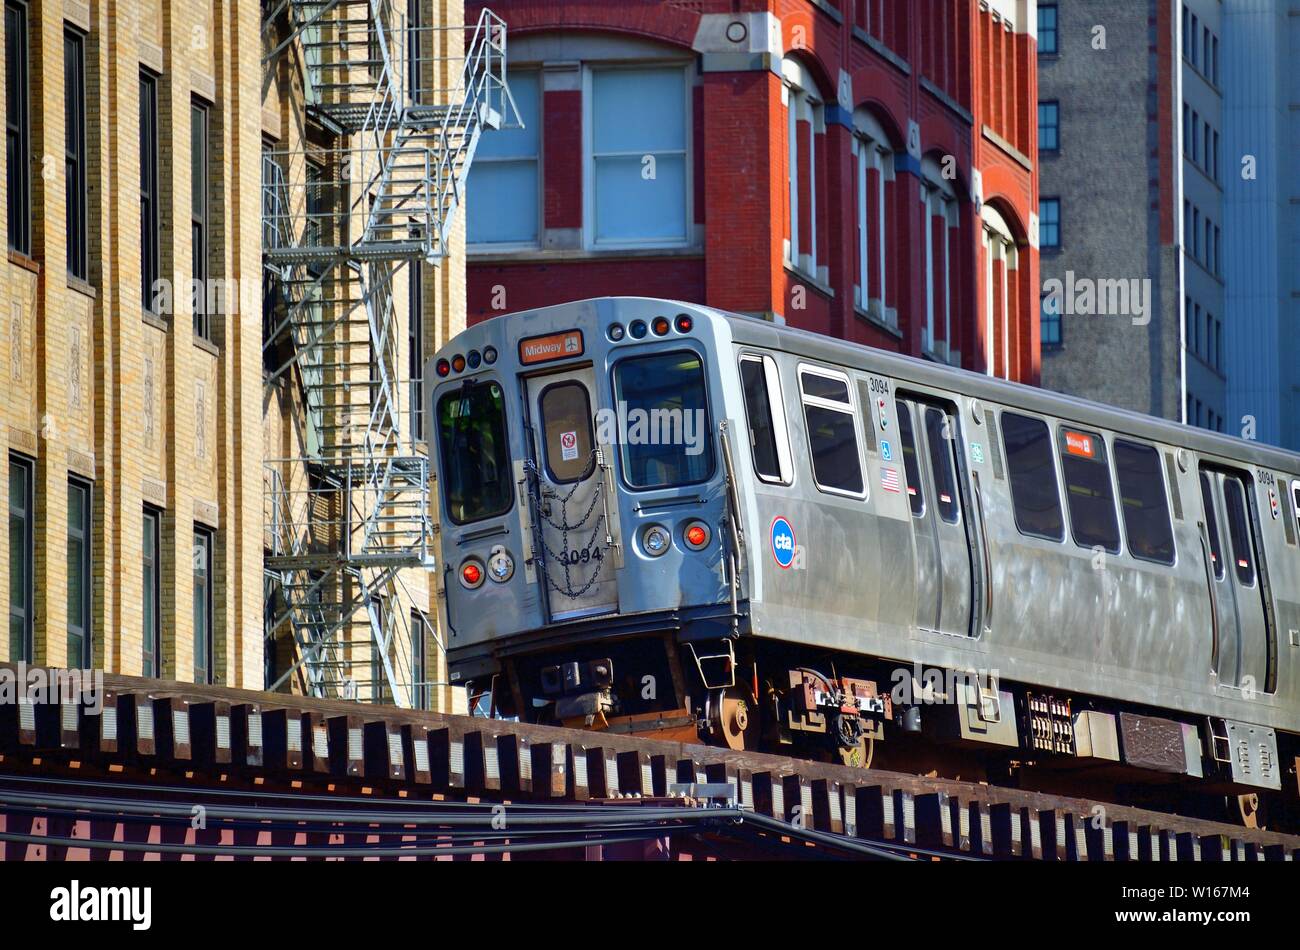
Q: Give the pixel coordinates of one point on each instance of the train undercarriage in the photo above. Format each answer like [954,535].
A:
[752,694]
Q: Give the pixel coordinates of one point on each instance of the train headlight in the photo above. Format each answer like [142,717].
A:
[655,539]
[616,331]
[489,355]
[696,535]
[500,566]
[472,573]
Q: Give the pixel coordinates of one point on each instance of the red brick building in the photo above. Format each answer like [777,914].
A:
[862,168]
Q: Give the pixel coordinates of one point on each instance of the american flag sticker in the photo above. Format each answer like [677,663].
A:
[889,479]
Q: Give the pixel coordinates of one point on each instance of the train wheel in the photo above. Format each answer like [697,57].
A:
[858,755]
[735,723]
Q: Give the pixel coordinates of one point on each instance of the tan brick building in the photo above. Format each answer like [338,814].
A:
[168,455]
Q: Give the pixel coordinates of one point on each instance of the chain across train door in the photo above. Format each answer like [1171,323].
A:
[571,500]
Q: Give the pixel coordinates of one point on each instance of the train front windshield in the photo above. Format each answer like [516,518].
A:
[475,452]
[662,402]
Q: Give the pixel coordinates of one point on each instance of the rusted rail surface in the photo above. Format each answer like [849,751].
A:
[222,735]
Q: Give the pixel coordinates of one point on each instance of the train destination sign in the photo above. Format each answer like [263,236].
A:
[553,346]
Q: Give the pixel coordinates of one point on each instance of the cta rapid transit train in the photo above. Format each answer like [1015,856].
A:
[658,518]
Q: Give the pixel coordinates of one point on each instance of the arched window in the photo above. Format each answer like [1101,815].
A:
[1001,260]
[939,207]
[805,122]
[873,161]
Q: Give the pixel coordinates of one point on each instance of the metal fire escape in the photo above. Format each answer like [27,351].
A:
[405,104]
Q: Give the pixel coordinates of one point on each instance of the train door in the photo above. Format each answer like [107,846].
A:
[573,536]
[1242,646]
[929,437]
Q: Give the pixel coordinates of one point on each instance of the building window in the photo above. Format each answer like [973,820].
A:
[420,679]
[805,120]
[1047,25]
[152,587]
[1049,126]
[74,150]
[80,614]
[22,556]
[504,196]
[1214,60]
[415,347]
[638,157]
[1049,222]
[874,170]
[150,263]
[203,660]
[1191,38]
[939,206]
[1049,321]
[199,231]
[18,146]
[1001,261]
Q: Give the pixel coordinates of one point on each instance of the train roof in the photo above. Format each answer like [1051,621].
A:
[757,331]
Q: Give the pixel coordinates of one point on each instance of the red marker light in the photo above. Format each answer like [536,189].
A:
[684,323]
[472,574]
[696,536]
[443,367]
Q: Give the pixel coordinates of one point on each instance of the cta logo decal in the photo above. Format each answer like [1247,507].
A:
[783,543]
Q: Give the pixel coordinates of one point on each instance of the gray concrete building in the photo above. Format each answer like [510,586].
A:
[1131,204]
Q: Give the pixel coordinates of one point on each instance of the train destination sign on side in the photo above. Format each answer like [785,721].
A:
[553,346]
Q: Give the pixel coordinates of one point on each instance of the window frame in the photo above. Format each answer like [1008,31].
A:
[850,408]
[538,161]
[150,212]
[24,613]
[1056,321]
[454,391]
[18,174]
[151,664]
[1104,462]
[1056,475]
[1054,31]
[938,200]
[200,211]
[1121,442]
[74,153]
[872,151]
[776,411]
[590,466]
[1044,202]
[635,356]
[415,346]
[82,627]
[1055,106]
[590,228]
[800,93]
[204,640]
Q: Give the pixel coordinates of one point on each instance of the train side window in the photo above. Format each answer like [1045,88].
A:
[915,494]
[765,413]
[1088,490]
[1146,507]
[1035,495]
[832,432]
[1212,526]
[1243,552]
[940,438]
[1295,498]
[566,430]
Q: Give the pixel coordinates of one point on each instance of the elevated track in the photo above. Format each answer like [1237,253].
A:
[168,769]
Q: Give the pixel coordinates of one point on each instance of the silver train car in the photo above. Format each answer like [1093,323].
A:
[657,517]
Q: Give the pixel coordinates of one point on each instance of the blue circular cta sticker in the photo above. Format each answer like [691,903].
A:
[782,542]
